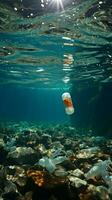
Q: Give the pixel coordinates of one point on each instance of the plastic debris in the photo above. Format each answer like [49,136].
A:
[102,169]
[69,108]
[50,164]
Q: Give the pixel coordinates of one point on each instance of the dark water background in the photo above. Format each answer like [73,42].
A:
[45,51]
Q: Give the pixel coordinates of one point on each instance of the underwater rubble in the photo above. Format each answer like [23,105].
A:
[54,162]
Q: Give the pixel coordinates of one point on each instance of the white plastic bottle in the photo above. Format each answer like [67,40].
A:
[69,108]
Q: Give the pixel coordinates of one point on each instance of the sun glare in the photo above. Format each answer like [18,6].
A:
[59,4]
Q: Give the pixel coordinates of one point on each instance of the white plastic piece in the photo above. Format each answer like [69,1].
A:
[69,108]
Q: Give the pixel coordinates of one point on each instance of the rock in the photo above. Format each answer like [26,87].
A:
[59,137]
[11,143]
[3,151]
[46,140]
[57,145]
[77,182]
[3,155]
[23,155]
[10,196]
[60,171]
[69,153]
[88,153]
[2,177]
[17,175]
[102,192]
[82,145]
[77,173]
[93,192]
[41,149]
[89,193]
[28,195]
[68,143]
[10,187]
[68,165]
[2,144]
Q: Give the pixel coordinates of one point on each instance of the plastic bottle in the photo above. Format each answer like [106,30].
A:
[69,108]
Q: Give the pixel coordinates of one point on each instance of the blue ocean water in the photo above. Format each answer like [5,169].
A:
[32,105]
[46,50]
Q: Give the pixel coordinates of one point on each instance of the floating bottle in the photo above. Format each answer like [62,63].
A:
[69,108]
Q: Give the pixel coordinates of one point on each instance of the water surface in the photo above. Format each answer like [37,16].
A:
[45,47]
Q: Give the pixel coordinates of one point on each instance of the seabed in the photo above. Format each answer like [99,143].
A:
[55,162]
